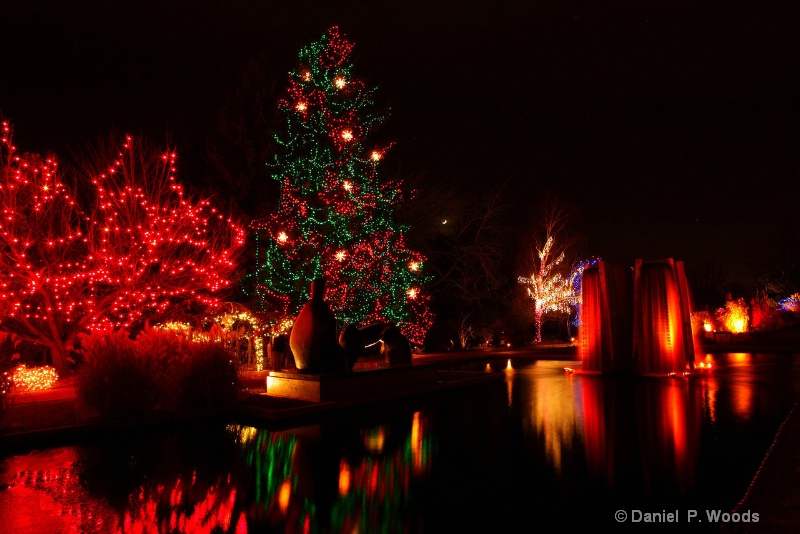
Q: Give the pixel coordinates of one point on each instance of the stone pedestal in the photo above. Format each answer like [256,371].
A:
[349,386]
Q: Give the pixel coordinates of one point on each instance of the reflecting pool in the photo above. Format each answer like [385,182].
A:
[544,446]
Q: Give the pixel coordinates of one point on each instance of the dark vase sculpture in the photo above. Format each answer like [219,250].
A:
[313,340]
[352,342]
[395,348]
[276,351]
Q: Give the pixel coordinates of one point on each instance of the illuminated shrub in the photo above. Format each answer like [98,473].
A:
[702,321]
[115,379]
[238,330]
[763,313]
[34,378]
[208,379]
[734,317]
[196,371]
[157,371]
[790,303]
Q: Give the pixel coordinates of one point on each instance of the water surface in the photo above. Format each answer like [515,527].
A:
[543,445]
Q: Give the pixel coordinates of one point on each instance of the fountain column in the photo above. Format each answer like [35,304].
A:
[662,338]
[605,335]
[636,320]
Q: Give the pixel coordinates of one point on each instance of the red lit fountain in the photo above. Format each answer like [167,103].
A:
[636,321]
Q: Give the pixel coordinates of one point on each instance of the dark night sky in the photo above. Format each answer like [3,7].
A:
[673,125]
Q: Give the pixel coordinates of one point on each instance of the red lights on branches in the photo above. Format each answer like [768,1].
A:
[132,247]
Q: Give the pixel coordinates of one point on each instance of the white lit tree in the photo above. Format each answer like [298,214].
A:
[550,284]
[549,289]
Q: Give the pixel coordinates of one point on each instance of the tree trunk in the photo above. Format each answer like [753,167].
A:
[538,322]
[58,355]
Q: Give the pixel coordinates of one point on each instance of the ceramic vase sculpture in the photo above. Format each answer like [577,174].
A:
[396,348]
[313,340]
[352,342]
[276,351]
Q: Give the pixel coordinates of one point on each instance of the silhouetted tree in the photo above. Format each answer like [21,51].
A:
[467,236]
[237,152]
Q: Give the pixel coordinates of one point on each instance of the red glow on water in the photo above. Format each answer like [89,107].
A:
[344,477]
[665,425]
[191,508]
[669,418]
[285,495]
[597,431]
[241,525]
[417,445]
[44,494]
[742,399]
[675,424]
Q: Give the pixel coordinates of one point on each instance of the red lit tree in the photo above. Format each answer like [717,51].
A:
[134,247]
[336,217]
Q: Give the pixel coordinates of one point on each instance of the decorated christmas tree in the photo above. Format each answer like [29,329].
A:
[336,216]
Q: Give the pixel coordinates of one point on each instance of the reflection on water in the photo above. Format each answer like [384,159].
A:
[308,479]
[184,506]
[43,492]
[555,411]
[318,478]
[484,458]
[120,487]
[510,383]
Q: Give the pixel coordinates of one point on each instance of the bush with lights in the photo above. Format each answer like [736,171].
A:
[157,371]
[734,316]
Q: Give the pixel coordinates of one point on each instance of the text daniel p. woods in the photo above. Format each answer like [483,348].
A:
[676,516]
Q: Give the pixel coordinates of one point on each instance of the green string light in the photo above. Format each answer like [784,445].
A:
[335,217]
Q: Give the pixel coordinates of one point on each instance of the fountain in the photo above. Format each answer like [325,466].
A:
[636,321]
[605,334]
